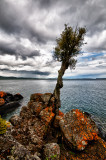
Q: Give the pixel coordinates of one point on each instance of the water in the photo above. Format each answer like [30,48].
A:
[87,95]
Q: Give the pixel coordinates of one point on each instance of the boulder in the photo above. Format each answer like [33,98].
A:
[35,107]
[2,101]
[47,115]
[45,97]
[18,97]
[25,113]
[8,107]
[9,102]
[9,97]
[15,120]
[2,94]
[36,97]
[94,151]
[52,151]
[78,129]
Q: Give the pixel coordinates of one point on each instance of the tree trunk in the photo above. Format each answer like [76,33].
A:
[59,85]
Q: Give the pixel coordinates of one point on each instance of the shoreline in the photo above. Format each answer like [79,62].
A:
[41,133]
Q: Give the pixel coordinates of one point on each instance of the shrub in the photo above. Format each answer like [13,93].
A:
[3,125]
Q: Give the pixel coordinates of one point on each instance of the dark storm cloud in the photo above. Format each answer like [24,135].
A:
[28,28]
[15,21]
[9,20]
[36,72]
[17,50]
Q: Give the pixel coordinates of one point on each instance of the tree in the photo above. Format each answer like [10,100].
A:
[68,46]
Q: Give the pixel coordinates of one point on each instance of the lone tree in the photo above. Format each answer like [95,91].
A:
[68,46]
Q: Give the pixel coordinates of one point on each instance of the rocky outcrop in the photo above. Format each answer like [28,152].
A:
[78,129]
[37,133]
[11,149]
[9,102]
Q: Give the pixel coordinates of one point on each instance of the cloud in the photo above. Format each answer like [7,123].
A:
[17,50]
[35,72]
[17,47]
[28,30]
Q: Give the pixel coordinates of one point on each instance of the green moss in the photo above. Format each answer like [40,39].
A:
[52,157]
[3,126]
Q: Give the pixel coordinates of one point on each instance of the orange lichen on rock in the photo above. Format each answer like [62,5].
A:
[82,118]
[2,94]
[57,119]
[38,109]
[85,135]
[61,113]
[2,101]
[47,115]
[78,128]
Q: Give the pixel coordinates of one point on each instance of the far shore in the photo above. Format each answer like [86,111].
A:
[24,78]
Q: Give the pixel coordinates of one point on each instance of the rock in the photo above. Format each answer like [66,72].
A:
[35,107]
[45,97]
[18,152]
[47,115]
[25,113]
[52,151]
[101,128]
[61,114]
[18,97]
[2,94]
[34,134]
[36,97]
[94,151]
[9,107]
[15,120]
[9,102]
[9,97]
[78,129]
[36,139]
[6,141]
[57,119]
[102,132]
[36,156]
[2,101]
[29,130]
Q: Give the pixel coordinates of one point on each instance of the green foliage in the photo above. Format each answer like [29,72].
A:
[52,157]
[3,126]
[68,45]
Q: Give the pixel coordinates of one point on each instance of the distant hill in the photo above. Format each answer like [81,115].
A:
[27,78]
[24,78]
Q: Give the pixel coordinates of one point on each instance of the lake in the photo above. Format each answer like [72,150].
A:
[87,95]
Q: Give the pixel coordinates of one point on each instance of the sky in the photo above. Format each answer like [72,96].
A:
[28,32]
